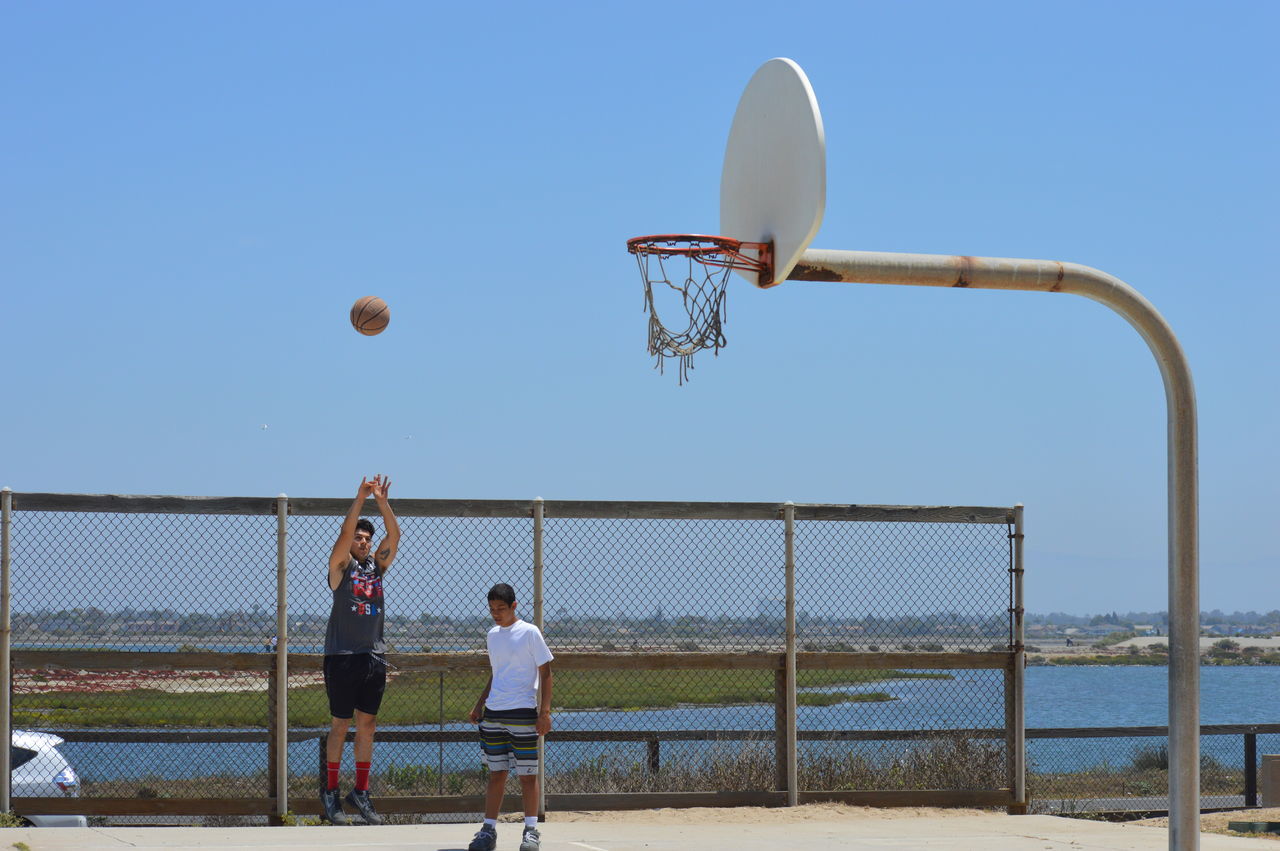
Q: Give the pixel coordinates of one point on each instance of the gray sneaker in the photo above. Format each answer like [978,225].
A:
[331,808]
[532,840]
[486,839]
[361,803]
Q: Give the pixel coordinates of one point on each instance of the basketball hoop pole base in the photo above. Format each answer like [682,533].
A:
[936,270]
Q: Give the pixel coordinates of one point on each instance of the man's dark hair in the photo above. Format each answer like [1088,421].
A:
[504,592]
[366,525]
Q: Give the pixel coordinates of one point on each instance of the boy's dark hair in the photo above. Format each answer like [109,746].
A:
[366,525]
[504,592]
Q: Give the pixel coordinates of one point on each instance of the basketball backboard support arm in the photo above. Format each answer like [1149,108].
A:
[935,270]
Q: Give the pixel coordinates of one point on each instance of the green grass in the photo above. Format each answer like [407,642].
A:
[141,708]
[418,698]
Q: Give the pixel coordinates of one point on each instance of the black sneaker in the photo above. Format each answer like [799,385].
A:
[362,804]
[486,839]
[531,840]
[332,808]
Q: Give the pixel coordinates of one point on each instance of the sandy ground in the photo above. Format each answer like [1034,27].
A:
[760,815]
[1206,642]
[826,826]
[1217,822]
[1210,822]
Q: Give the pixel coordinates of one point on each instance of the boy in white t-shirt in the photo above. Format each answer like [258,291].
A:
[513,711]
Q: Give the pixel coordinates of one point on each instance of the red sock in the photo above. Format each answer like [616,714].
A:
[332,774]
[362,776]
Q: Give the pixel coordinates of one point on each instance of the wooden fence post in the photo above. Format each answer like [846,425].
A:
[1251,769]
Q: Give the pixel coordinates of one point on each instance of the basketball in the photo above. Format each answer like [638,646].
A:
[370,315]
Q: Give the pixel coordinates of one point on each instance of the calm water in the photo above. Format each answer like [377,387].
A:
[1127,697]
[1056,697]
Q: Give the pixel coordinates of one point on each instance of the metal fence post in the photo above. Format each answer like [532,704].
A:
[789,520]
[537,621]
[440,744]
[1019,669]
[321,779]
[782,770]
[6,660]
[280,745]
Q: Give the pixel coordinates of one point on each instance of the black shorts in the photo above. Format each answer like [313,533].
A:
[354,681]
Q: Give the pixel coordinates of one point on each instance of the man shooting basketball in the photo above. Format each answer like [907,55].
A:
[355,670]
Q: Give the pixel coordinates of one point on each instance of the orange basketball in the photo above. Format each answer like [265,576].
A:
[370,315]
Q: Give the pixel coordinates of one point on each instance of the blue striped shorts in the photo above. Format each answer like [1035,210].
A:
[509,740]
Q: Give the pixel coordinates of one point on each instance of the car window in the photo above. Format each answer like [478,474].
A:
[20,756]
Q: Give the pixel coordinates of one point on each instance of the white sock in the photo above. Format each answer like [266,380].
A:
[530,821]
[491,822]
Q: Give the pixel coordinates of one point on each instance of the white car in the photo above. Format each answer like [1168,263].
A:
[41,771]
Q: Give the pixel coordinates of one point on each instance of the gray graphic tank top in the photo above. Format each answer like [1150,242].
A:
[355,621]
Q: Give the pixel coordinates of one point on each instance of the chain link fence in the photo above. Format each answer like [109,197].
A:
[625,587]
[144,583]
[888,587]
[1127,769]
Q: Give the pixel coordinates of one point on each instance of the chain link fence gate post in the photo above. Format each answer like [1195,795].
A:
[793,757]
[280,684]
[1019,649]
[538,622]
[6,660]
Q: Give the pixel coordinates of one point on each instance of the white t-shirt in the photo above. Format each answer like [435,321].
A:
[515,652]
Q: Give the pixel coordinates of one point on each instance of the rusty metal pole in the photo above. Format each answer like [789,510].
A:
[995,273]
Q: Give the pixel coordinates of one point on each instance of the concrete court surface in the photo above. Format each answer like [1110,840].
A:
[978,832]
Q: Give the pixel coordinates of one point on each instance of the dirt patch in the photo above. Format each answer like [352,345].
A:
[1217,822]
[60,680]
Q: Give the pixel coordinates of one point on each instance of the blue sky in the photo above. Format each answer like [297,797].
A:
[194,195]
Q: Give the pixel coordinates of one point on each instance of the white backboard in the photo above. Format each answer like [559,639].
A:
[774,184]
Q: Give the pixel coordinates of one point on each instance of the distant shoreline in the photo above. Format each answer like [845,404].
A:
[1119,660]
